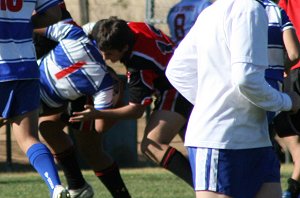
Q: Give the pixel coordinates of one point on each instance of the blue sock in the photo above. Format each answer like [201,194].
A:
[42,160]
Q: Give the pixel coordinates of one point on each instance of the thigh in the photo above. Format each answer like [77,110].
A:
[234,173]
[163,126]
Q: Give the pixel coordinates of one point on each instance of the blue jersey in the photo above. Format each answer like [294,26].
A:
[278,23]
[182,17]
[73,68]
[18,61]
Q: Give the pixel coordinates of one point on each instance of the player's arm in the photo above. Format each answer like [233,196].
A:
[292,47]
[130,111]
[182,69]
[47,17]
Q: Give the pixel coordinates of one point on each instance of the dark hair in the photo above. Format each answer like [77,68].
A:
[112,33]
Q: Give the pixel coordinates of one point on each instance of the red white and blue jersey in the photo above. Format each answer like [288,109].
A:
[182,17]
[146,63]
[278,23]
[17,53]
[74,68]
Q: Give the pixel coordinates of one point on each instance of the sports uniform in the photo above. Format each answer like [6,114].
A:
[227,49]
[72,73]
[73,69]
[146,70]
[145,52]
[19,85]
[182,17]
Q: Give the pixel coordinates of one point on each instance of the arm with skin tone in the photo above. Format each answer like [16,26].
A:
[130,111]
[292,47]
[50,16]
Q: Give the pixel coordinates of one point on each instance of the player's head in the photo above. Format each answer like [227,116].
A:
[113,37]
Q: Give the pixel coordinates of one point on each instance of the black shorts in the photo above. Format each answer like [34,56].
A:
[285,123]
[172,100]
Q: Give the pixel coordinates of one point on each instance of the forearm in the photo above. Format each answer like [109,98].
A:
[252,85]
[125,112]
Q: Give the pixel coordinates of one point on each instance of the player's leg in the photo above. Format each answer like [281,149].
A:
[288,129]
[161,128]
[25,129]
[293,145]
[90,144]
[52,130]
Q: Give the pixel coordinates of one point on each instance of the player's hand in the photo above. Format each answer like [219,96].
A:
[88,114]
[295,101]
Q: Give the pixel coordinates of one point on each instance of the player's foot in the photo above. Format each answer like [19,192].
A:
[60,192]
[85,192]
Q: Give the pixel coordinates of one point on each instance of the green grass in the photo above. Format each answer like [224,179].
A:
[141,182]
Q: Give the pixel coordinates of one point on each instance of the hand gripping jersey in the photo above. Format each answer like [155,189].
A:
[182,17]
[278,23]
[146,63]
[74,68]
[17,52]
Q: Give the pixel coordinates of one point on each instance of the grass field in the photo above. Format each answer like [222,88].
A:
[141,182]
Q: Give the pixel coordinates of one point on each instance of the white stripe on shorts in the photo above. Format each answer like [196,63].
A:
[206,161]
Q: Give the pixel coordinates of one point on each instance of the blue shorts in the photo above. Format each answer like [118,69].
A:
[19,97]
[235,173]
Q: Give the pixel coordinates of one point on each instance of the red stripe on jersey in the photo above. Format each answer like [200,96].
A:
[69,70]
[169,99]
[148,77]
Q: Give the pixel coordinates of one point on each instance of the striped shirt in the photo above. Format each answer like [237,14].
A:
[278,23]
[17,54]
[73,68]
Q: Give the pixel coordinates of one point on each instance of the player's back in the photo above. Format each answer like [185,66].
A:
[74,67]
[151,44]
[17,50]
[182,17]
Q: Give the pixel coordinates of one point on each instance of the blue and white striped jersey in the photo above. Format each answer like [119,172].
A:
[182,16]
[74,68]
[278,23]
[17,54]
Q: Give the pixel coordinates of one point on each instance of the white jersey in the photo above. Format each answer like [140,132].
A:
[182,17]
[74,68]
[17,54]
[278,23]
[219,67]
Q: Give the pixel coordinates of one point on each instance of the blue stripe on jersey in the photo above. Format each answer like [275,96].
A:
[47,86]
[275,36]
[106,82]
[42,8]
[83,84]
[16,31]
[11,71]
[95,54]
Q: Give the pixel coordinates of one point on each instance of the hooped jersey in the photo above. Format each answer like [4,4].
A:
[278,23]
[74,68]
[17,54]
[147,62]
[182,17]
